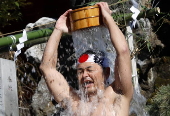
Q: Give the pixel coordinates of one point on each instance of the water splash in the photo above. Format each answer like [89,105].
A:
[97,38]
[86,108]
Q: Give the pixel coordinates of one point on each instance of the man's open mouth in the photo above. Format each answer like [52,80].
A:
[88,82]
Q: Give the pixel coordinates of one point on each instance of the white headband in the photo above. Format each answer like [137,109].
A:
[91,58]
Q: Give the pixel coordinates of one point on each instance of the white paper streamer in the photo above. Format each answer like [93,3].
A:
[16,54]
[24,37]
[135,12]
[20,46]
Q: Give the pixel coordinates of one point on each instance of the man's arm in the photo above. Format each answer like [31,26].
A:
[123,81]
[54,79]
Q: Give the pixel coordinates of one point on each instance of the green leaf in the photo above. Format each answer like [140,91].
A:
[91,3]
[16,3]
[148,46]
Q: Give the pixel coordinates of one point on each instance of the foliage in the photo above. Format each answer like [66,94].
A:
[86,4]
[160,103]
[10,11]
[164,19]
[143,43]
[28,77]
[91,3]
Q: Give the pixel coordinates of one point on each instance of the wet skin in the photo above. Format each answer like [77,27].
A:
[90,77]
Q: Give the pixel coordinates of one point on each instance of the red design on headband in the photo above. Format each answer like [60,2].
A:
[83,58]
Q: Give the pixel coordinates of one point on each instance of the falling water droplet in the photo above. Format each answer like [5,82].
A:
[33,70]
[22,80]
[25,75]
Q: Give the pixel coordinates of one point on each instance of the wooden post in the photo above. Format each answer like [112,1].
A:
[8,89]
[129,38]
[138,101]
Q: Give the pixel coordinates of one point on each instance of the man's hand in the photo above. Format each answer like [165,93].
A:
[106,12]
[62,22]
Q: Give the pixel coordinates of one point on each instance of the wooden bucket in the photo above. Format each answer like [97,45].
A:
[85,17]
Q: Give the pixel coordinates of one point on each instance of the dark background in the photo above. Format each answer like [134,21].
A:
[37,9]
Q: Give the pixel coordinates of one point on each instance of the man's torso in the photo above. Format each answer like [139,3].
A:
[111,104]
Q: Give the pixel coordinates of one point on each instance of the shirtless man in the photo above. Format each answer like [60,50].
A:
[109,101]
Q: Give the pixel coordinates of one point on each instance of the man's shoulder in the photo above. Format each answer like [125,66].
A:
[110,93]
[113,96]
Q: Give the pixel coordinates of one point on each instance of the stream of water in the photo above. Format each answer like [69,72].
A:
[99,38]
[96,38]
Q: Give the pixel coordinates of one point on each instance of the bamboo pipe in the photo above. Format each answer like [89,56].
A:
[29,43]
[8,41]
[143,14]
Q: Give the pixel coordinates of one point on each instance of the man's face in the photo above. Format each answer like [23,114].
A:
[90,77]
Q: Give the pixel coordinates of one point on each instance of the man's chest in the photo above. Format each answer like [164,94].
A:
[102,108]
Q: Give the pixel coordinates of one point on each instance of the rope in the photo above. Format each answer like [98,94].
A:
[22,30]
